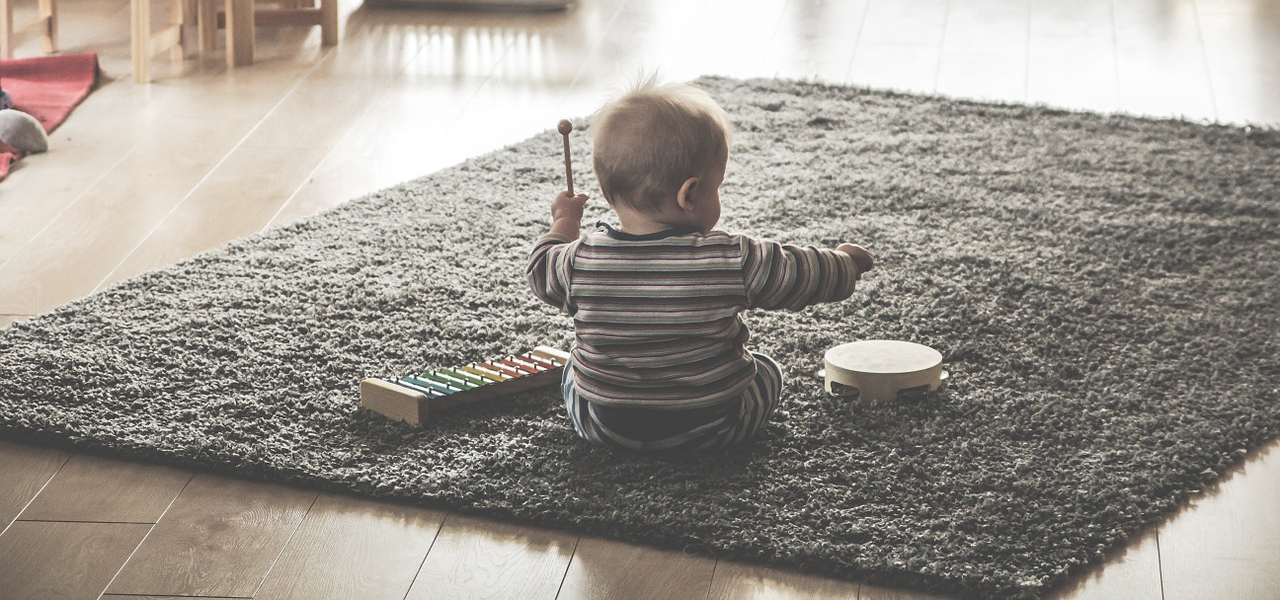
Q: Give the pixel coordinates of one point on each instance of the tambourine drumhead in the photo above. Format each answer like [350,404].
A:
[881,369]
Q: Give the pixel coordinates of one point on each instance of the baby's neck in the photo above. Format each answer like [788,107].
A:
[645,229]
[639,223]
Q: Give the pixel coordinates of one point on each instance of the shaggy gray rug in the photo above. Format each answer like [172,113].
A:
[1104,290]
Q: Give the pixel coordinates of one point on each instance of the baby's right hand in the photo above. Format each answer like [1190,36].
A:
[568,207]
[861,257]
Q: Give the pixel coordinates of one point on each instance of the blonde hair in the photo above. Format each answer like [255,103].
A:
[655,136]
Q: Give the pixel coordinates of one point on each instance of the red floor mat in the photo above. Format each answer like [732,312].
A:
[47,88]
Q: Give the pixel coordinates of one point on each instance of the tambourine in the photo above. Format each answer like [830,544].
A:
[882,370]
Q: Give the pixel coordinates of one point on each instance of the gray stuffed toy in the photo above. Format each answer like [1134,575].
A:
[22,131]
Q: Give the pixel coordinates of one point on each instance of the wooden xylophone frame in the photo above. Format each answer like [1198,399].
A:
[413,398]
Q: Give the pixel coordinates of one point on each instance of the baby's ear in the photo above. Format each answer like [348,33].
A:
[684,197]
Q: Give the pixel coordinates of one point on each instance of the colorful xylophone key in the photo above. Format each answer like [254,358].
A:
[411,398]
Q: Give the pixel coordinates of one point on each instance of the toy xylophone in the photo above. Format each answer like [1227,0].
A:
[412,398]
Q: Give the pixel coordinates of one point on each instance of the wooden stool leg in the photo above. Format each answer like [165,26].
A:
[49,37]
[239,32]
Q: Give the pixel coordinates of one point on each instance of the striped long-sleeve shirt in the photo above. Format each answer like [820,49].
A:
[656,317]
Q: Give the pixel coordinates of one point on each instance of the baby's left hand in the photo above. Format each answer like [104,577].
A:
[568,207]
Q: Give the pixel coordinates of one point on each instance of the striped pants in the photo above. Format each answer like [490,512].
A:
[677,431]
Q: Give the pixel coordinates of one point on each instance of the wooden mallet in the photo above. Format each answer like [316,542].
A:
[565,127]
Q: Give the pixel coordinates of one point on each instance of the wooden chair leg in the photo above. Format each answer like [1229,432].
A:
[45,25]
[240,17]
[146,43]
[207,24]
[49,37]
[180,10]
[6,29]
[140,24]
[329,22]
[239,32]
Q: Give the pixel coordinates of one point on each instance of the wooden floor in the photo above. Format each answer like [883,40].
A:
[141,176]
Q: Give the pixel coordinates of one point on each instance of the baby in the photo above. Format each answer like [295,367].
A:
[659,363]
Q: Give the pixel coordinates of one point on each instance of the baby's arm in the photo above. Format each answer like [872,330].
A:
[785,276]
[545,270]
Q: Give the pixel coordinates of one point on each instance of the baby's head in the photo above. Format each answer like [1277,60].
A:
[651,141]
